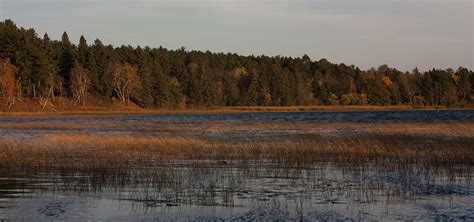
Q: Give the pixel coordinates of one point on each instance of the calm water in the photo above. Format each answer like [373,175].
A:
[219,190]
[314,117]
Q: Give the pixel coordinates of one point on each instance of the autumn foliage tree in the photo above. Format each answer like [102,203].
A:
[125,81]
[80,84]
[160,77]
[9,86]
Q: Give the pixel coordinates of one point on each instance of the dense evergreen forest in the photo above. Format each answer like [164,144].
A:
[44,70]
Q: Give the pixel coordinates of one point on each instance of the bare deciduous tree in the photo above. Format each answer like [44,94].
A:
[54,85]
[80,83]
[126,81]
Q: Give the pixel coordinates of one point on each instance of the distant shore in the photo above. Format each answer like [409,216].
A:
[133,110]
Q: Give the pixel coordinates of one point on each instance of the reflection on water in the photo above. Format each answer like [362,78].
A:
[221,190]
[216,189]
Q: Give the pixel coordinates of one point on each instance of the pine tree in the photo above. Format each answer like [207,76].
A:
[254,91]
[463,84]
[177,77]
[83,52]
[66,61]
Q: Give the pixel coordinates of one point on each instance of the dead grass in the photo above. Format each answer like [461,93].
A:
[119,109]
[342,129]
[111,151]
[92,162]
[447,129]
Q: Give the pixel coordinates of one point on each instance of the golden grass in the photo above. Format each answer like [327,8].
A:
[116,151]
[131,110]
[435,143]
[446,129]
[161,168]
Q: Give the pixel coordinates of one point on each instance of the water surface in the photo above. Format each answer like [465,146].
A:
[223,190]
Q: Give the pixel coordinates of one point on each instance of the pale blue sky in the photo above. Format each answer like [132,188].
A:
[400,33]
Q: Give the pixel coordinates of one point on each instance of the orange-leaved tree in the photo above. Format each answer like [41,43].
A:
[10,89]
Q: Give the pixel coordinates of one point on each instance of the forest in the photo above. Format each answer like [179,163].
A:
[49,71]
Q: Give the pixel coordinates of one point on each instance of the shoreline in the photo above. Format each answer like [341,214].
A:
[219,110]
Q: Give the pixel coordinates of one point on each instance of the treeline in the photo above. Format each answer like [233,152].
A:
[42,69]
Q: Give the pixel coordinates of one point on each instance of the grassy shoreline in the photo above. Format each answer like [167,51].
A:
[133,110]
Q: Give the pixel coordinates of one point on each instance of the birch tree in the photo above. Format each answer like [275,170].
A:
[125,81]
[80,83]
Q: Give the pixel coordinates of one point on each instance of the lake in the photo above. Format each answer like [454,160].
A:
[252,180]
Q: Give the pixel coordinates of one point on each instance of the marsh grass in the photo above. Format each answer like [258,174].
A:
[114,151]
[342,129]
[169,162]
[174,170]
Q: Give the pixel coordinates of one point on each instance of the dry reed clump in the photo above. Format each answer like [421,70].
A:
[109,151]
[114,148]
[446,129]
[78,152]
[11,151]
[89,162]
[371,148]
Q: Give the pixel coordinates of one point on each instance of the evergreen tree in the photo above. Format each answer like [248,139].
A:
[463,84]
[66,61]
[83,52]
[176,78]
[253,91]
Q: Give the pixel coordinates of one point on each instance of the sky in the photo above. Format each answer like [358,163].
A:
[367,33]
